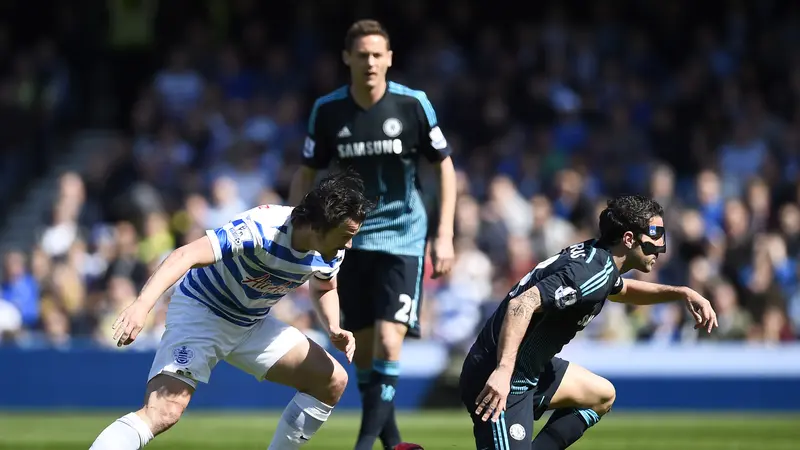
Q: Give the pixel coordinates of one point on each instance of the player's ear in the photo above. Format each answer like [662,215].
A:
[389,58]
[628,239]
[346,58]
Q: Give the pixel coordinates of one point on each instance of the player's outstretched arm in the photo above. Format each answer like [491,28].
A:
[492,399]
[131,320]
[637,292]
[326,303]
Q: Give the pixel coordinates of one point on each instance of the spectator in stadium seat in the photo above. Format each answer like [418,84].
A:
[710,200]
[512,207]
[157,239]
[738,240]
[235,81]
[568,200]
[662,189]
[692,235]
[191,217]
[741,158]
[56,327]
[226,202]
[758,277]
[467,218]
[19,288]
[10,321]
[784,268]
[550,233]
[72,188]
[789,224]
[180,88]
[242,166]
[457,311]
[788,157]
[64,229]
[734,323]
[758,198]
[126,262]
[776,327]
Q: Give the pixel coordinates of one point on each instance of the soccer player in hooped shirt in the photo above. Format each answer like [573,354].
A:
[381,129]
[230,279]
[511,375]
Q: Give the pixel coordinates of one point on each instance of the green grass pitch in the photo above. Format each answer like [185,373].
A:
[435,430]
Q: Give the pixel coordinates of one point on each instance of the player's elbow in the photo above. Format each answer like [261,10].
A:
[198,253]
[319,287]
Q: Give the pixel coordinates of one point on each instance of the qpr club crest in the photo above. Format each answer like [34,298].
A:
[392,127]
[182,355]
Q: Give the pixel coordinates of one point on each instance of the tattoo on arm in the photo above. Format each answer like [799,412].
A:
[525,304]
[515,323]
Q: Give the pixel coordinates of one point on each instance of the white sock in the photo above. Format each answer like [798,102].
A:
[129,432]
[303,416]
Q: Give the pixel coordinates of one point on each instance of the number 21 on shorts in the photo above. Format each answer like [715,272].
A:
[408,310]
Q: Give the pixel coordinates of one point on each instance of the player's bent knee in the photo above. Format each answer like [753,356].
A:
[338,384]
[606,394]
[329,391]
[310,369]
[166,399]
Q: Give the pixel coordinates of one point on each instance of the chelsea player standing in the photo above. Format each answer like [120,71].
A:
[381,129]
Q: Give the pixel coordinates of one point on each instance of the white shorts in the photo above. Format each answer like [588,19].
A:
[196,339]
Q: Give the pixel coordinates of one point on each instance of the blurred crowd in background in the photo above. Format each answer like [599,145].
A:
[549,115]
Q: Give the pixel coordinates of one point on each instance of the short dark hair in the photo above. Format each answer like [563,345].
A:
[627,213]
[337,198]
[365,27]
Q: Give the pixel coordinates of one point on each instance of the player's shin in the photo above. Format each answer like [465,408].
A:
[378,404]
[129,432]
[565,426]
[390,434]
[303,416]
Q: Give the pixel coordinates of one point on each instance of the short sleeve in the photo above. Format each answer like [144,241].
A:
[333,271]
[577,282]
[559,289]
[432,141]
[235,238]
[618,284]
